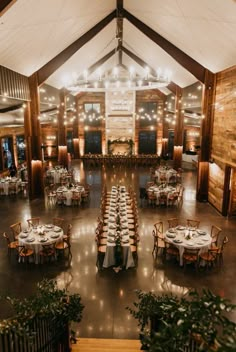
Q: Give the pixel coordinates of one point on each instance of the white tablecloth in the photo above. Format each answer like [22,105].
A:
[118,234]
[68,192]
[5,182]
[163,174]
[199,240]
[169,190]
[56,174]
[32,238]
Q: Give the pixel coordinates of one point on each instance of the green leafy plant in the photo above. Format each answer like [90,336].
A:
[48,302]
[168,323]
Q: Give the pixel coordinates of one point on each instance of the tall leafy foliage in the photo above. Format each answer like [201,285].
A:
[168,323]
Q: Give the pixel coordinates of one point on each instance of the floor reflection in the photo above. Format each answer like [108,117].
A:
[106,294]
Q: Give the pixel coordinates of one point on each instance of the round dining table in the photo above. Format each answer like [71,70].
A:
[190,238]
[5,184]
[68,193]
[38,236]
[168,190]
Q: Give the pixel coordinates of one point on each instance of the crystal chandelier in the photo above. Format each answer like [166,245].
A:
[119,78]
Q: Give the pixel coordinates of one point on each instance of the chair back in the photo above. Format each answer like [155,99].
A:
[223,243]
[33,222]
[173,222]
[69,228]
[159,228]
[215,232]
[22,250]
[158,234]
[48,249]
[5,235]
[58,222]
[16,229]
[193,223]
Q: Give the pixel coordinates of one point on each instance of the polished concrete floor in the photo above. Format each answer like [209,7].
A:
[105,293]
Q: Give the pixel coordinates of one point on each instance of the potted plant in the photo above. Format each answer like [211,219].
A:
[168,323]
[50,304]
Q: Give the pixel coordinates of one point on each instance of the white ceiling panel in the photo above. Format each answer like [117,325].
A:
[205,30]
[32,32]
[154,56]
[90,53]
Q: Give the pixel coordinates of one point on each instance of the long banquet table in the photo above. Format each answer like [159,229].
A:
[118,231]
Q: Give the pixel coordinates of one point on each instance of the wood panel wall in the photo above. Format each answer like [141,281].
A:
[224,129]
[224,136]
[13,84]
[232,208]
[216,184]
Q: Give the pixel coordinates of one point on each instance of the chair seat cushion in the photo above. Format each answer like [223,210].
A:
[13,245]
[190,257]
[209,257]
[61,245]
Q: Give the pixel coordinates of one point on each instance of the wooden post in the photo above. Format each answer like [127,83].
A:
[81,129]
[76,132]
[62,145]
[61,120]
[33,139]
[28,149]
[164,149]
[208,96]
[178,139]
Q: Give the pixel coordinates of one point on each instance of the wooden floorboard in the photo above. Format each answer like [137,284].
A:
[105,345]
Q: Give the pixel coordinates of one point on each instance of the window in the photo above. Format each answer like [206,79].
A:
[147,142]
[147,114]
[92,114]
[20,145]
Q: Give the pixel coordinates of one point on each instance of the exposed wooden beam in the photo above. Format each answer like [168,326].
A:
[100,62]
[143,64]
[183,59]
[11,108]
[49,110]
[120,5]
[119,29]
[47,70]
[173,87]
[120,57]
[137,59]
[5,5]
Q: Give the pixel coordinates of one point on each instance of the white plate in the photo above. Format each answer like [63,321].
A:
[177,241]
[31,239]
[170,235]
[23,235]
[54,235]
[200,232]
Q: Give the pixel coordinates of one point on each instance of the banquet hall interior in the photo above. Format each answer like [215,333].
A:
[121,112]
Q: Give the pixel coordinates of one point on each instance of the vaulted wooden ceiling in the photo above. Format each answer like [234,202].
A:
[59,37]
